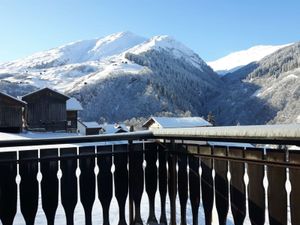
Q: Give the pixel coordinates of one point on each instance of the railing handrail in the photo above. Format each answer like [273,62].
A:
[178,171]
[138,135]
[287,134]
[260,134]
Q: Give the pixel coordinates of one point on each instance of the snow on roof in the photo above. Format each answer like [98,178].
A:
[114,128]
[177,122]
[92,124]
[13,98]
[34,135]
[73,105]
[46,88]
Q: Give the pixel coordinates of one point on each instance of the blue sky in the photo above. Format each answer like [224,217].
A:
[212,28]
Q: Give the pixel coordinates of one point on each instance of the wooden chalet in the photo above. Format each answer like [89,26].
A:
[11,113]
[73,107]
[88,128]
[113,128]
[46,110]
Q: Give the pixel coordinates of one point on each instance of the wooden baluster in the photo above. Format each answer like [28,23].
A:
[130,150]
[151,179]
[221,184]
[121,180]
[136,178]
[87,181]
[172,180]
[162,177]
[256,190]
[182,182]
[29,187]
[69,183]
[105,189]
[207,184]
[237,186]
[194,182]
[8,188]
[294,158]
[49,184]
[277,196]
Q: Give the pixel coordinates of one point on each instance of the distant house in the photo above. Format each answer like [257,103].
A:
[88,128]
[175,122]
[113,128]
[11,113]
[46,110]
[73,107]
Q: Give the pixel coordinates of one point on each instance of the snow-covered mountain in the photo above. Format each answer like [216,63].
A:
[124,76]
[73,65]
[114,76]
[79,51]
[66,66]
[267,91]
[236,60]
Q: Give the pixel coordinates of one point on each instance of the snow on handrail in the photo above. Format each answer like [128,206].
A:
[276,134]
[260,134]
[78,139]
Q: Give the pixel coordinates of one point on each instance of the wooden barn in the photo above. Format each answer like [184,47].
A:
[11,113]
[88,128]
[73,107]
[113,128]
[46,110]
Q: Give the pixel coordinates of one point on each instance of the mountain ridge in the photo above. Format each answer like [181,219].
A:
[236,60]
[160,76]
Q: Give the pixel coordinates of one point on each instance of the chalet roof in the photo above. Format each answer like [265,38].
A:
[177,122]
[63,96]
[113,128]
[15,100]
[92,124]
[73,105]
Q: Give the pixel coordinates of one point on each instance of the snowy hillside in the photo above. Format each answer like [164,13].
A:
[169,44]
[119,76]
[66,66]
[267,92]
[79,63]
[236,60]
[127,77]
[78,52]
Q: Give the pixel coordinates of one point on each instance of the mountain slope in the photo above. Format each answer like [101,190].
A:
[122,76]
[138,79]
[165,84]
[78,52]
[236,60]
[267,91]
[66,66]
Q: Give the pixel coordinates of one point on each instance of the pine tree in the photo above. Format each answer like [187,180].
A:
[211,118]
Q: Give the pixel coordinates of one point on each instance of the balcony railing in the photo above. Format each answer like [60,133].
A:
[178,165]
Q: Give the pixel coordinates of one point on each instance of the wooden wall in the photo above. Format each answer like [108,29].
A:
[92,131]
[10,115]
[72,117]
[46,111]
